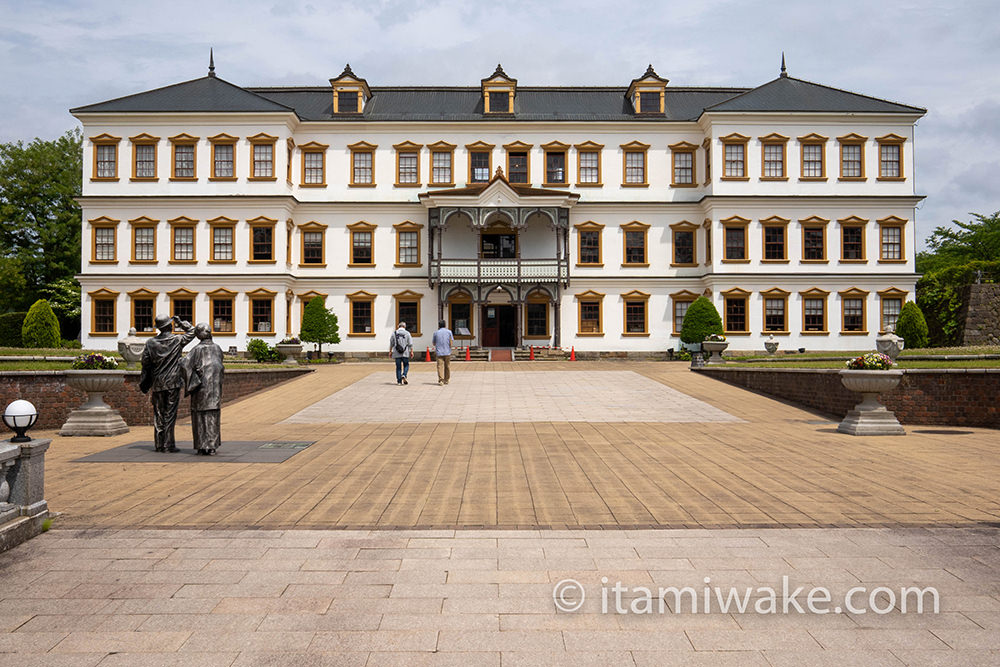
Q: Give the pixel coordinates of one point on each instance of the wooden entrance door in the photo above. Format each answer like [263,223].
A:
[499,325]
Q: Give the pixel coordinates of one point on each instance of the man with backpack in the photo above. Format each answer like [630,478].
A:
[401,347]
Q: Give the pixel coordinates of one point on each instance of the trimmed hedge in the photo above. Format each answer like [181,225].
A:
[10,329]
[911,326]
[700,321]
[40,328]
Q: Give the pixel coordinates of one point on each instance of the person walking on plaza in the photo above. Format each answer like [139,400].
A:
[401,347]
[161,372]
[443,339]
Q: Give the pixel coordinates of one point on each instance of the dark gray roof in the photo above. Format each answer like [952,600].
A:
[208,93]
[211,94]
[789,94]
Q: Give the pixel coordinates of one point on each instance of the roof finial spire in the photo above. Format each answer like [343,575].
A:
[784,72]
[211,61]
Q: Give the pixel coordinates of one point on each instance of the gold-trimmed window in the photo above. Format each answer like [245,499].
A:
[635,244]
[589,319]
[183,157]
[104,240]
[588,244]
[635,313]
[262,240]
[812,157]
[814,239]
[682,165]
[144,157]
[646,93]
[680,302]
[814,311]
[408,244]
[105,157]
[736,311]
[223,157]
[305,298]
[774,239]
[853,307]
[262,157]
[313,165]
[518,162]
[362,320]
[634,164]
[143,311]
[891,302]
[408,164]
[461,314]
[313,250]
[852,157]
[362,165]
[222,307]
[182,240]
[684,244]
[707,145]
[775,304]
[143,240]
[480,161]
[890,157]
[362,244]
[498,92]
[408,310]
[773,157]
[103,312]
[223,235]
[182,304]
[892,240]
[536,314]
[261,311]
[350,92]
[852,239]
[556,169]
[588,164]
[442,161]
[734,232]
[734,152]
[289,150]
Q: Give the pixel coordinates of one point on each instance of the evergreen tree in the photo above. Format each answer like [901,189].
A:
[40,328]
[911,326]
[319,325]
[700,321]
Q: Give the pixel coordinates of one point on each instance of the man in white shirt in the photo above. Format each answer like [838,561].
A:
[443,340]
[401,347]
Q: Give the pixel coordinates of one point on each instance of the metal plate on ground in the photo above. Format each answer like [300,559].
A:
[240,451]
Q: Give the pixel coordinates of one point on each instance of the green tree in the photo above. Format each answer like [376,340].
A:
[64,297]
[700,321]
[911,326]
[964,242]
[12,284]
[39,182]
[40,328]
[319,325]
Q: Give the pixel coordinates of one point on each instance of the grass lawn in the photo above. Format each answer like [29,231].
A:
[51,352]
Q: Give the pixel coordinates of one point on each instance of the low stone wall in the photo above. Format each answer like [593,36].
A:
[54,399]
[980,315]
[956,397]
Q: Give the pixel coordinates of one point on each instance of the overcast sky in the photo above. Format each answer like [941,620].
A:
[942,55]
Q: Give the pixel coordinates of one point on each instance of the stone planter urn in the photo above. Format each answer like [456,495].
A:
[715,347]
[771,345]
[869,417]
[890,345]
[94,417]
[131,348]
[290,350]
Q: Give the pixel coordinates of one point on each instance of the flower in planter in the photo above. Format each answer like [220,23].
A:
[94,362]
[290,340]
[873,361]
[716,338]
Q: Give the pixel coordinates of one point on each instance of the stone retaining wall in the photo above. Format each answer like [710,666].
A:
[54,399]
[956,397]
[980,315]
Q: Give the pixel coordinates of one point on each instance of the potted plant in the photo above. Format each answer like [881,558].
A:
[715,344]
[870,375]
[291,347]
[94,374]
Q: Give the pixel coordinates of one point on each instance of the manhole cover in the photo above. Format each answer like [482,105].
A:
[942,431]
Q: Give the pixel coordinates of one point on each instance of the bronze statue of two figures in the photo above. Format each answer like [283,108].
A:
[165,371]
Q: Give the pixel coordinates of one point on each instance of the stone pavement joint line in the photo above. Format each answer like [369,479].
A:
[484,597]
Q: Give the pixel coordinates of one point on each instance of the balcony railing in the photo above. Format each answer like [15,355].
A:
[499,271]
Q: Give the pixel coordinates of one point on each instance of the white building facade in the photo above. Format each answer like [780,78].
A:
[585,217]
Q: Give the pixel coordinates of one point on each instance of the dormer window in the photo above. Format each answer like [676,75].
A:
[350,93]
[647,93]
[498,93]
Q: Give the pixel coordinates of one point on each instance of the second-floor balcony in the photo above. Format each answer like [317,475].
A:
[512,270]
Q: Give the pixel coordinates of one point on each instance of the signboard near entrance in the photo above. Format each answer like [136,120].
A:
[462,331]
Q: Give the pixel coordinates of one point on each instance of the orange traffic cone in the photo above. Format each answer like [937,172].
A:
[532,357]
[428,355]
[572,353]
[468,355]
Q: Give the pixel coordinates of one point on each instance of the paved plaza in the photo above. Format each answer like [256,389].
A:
[407,535]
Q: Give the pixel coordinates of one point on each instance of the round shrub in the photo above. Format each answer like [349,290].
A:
[701,321]
[262,352]
[10,329]
[40,328]
[911,326]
